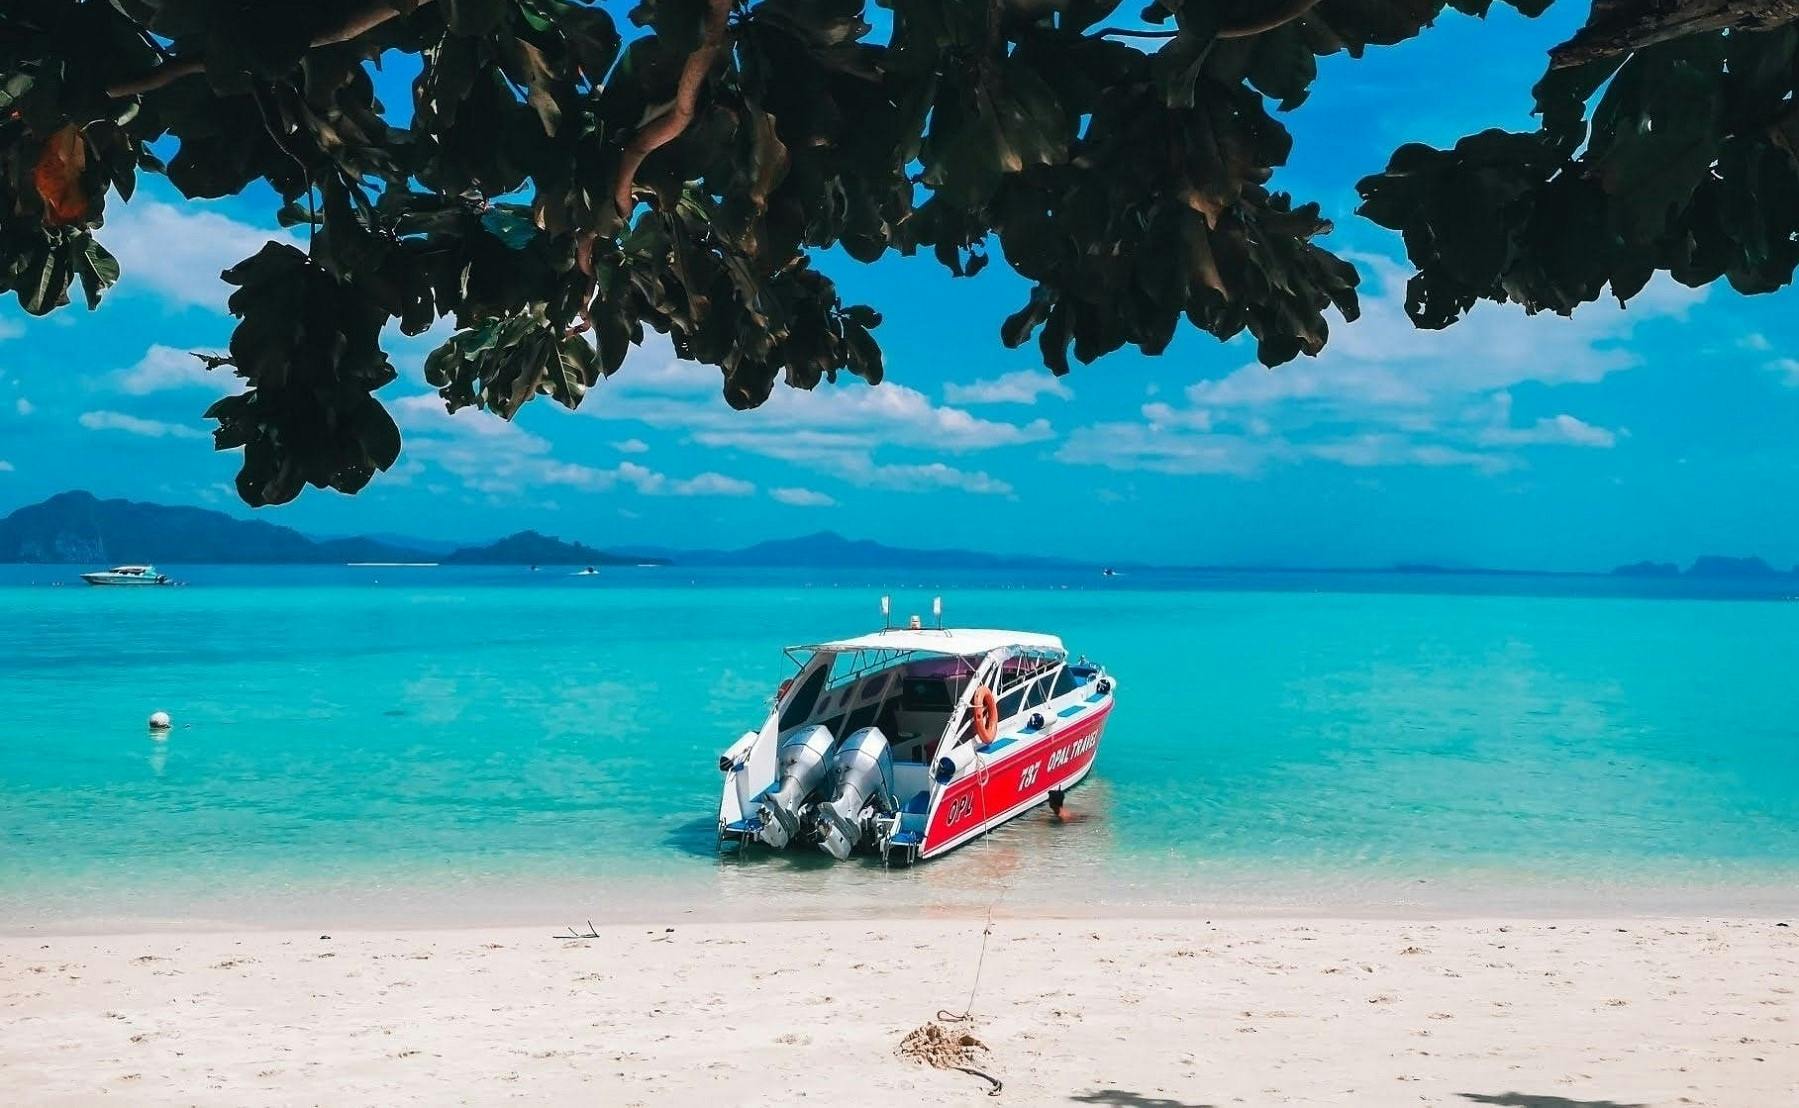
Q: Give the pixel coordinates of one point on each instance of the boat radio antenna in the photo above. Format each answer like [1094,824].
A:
[937,610]
[887,613]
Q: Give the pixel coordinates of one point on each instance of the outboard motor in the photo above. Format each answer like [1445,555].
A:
[861,774]
[801,761]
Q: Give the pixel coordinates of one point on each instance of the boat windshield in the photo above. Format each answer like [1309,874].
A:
[910,696]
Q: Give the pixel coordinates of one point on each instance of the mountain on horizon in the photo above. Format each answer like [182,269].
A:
[532,548]
[79,528]
[828,548]
[1716,566]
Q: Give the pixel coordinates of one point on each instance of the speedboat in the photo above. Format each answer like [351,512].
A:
[127,575]
[909,742]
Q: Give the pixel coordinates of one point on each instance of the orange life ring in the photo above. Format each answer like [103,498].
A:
[986,714]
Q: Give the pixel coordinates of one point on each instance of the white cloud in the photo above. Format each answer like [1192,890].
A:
[1755,340]
[1559,430]
[837,428]
[179,252]
[10,328]
[1020,387]
[704,484]
[133,425]
[631,446]
[1192,419]
[1136,446]
[823,424]
[6,466]
[803,498]
[927,477]
[426,412]
[498,458]
[1370,450]
[23,406]
[1788,368]
[166,367]
[489,454]
[1385,393]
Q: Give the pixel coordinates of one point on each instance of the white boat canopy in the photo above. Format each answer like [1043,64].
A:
[955,641]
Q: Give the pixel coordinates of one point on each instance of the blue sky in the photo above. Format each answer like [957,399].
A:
[1661,432]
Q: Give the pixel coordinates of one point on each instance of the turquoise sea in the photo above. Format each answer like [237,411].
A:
[442,745]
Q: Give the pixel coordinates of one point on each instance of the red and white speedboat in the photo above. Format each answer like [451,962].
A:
[909,742]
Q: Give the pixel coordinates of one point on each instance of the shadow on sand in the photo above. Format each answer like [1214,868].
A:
[1121,1098]
[1526,1100]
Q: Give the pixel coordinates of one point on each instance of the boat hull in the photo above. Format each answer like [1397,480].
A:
[122,581]
[1014,781]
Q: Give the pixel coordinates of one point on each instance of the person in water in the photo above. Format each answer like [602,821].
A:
[1059,812]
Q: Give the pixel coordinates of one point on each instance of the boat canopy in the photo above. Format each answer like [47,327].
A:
[956,641]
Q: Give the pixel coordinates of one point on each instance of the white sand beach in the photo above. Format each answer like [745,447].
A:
[1532,1013]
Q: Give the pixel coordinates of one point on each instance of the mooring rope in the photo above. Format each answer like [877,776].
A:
[944,1015]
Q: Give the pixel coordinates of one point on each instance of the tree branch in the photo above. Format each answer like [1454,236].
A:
[1281,15]
[1284,13]
[1620,26]
[368,19]
[162,75]
[666,127]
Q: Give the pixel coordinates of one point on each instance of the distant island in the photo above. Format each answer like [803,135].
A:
[829,549]
[1715,566]
[1712,565]
[78,528]
[531,548]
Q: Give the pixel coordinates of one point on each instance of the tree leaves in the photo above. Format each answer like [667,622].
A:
[308,349]
[473,17]
[97,268]
[61,164]
[1655,131]
[986,129]
[1680,168]
[502,364]
[1132,185]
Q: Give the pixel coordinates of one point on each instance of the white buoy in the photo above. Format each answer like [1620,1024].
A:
[160,721]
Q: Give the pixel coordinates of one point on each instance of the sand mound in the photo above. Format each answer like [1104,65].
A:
[937,1046]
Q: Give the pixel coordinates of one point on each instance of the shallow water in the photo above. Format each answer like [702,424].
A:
[399,742]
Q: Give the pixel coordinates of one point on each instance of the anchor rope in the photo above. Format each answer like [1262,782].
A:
[944,1015]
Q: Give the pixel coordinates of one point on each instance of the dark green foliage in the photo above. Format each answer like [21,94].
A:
[309,348]
[573,173]
[1684,163]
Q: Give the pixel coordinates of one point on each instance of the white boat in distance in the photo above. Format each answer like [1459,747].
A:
[127,575]
[910,742]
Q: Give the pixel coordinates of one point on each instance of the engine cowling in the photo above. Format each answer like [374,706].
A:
[801,762]
[861,775]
